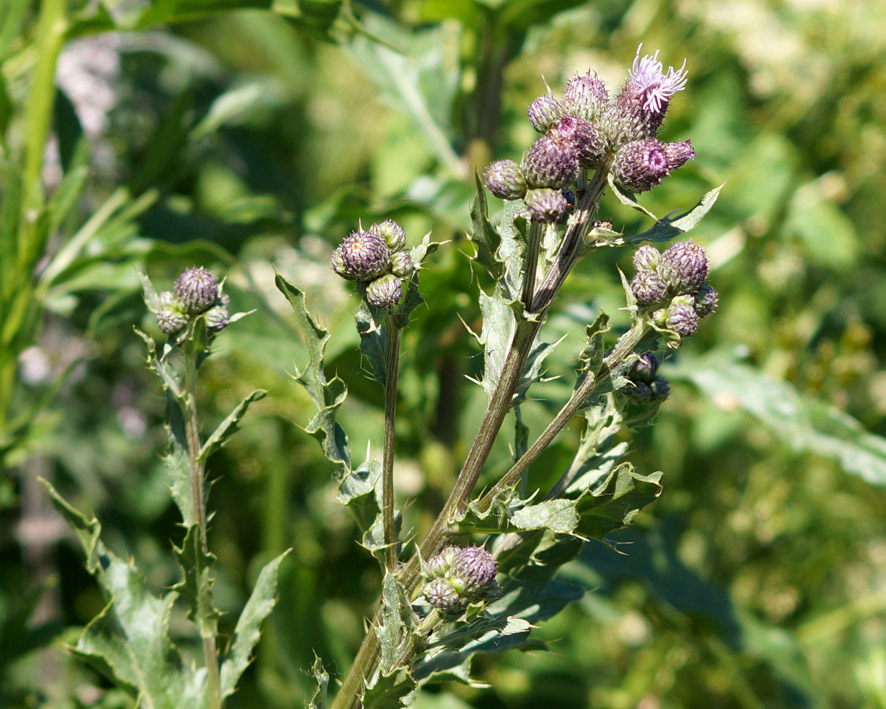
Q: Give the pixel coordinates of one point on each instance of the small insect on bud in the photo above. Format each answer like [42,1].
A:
[402,264]
[544,112]
[551,161]
[171,316]
[384,292]
[505,180]
[393,234]
[545,206]
[196,289]
[681,316]
[684,267]
[648,287]
[365,255]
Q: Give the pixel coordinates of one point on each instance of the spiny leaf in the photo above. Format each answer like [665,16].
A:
[397,623]
[197,579]
[559,516]
[615,501]
[321,677]
[389,691]
[229,426]
[597,452]
[248,629]
[327,396]
[483,235]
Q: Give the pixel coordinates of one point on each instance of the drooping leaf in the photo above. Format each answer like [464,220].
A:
[615,501]
[248,629]
[328,396]
[803,424]
[483,235]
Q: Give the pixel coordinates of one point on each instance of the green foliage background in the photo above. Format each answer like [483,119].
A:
[250,140]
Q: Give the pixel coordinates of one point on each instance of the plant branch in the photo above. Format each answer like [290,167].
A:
[392,361]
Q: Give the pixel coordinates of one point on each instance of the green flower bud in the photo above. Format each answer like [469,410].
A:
[385,292]
[171,316]
[441,564]
[646,257]
[196,289]
[402,264]
[441,595]
[505,180]
[393,234]
[458,576]
[218,317]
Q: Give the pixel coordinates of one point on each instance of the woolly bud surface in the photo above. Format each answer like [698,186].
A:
[641,165]
[684,267]
[196,289]
[170,316]
[545,205]
[385,292]
[551,161]
[402,264]
[365,255]
[646,257]
[543,112]
[505,180]
[441,595]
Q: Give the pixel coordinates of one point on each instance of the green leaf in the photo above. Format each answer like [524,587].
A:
[597,452]
[559,516]
[615,501]
[197,577]
[328,396]
[128,640]
[395,632]
[248,629]
[389,691]
[229,426]
[483,235]
[807,425]
[321,677]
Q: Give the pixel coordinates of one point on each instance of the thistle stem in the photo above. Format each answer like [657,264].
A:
[392,361]
[535,230]
[205,622]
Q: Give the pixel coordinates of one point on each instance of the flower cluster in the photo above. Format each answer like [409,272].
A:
[672,285]
[196,292]
[458,576]
[376,258]
[585,130]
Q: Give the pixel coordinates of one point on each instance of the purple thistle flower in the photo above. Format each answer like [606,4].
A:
[648,287]
[551,161]
[646,257]
[476,569]
[657,87]
[364,255]
[543,112]
[196,289]
[681,316]
[589,142]
[505,180]
[683,267]
[640,165]
[385,292]
[545,206]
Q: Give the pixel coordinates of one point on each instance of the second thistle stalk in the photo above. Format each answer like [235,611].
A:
[392,361]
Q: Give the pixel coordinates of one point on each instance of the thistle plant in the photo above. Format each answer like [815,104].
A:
[129,640]
[483,574]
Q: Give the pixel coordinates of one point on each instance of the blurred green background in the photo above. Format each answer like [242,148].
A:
[250,140]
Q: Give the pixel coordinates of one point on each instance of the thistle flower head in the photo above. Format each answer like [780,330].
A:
[476,569]
[393,234]
[590,144]
[551,161]
[585,96]
[402,264]
[364,255]
[458,576]
[545,206]
[171,316]
[706,300]
[441,595]
[640,165]
[338,264]
[657,87]
[505,180]
[683,267]
[196,289]
[543,112]
[681,316]
[648,287]
[644,368]
[646,257]
[660,388]
[385,292]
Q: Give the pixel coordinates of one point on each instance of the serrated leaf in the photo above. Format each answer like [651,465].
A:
[483,235]
[197,577]
[373,339]
[248,629]
[321,677]
[559,516]
[128,640]
[803,424]
[359,490]
[389,691]
[397,623]
[627,199]
[229,426]
[495,336]
[615,501]
[591,356]
[597,452]
[328,396]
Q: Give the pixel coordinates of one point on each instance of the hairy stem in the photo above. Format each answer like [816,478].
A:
[392,361]
[205,621]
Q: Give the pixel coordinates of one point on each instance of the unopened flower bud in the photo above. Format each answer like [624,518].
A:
[441,595]
[458,576]
[393,234]
[681,316]
[660,388]
[640,165]
[217,318]
[644,368]
[505,180]
[638,391]
[585,97]
[338,264]
[551,161]
[705,300]
[648,287]
[678,153]
[440,564]
[683,267]
[402,264]
[545,206]
[196,289]
[365,255]
[475,568]
[171,316]
[590,143]
[385,292]
[646,258]
[544,112]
